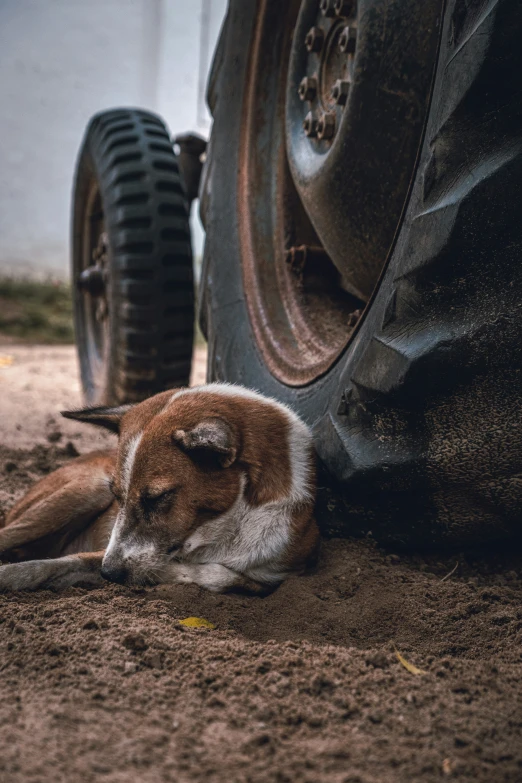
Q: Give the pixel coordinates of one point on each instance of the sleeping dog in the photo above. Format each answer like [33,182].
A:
[213,485]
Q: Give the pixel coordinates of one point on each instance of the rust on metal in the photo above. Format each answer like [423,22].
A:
[347,39]
[308,88]
[326,126]
[327,7]
[298,257]
[314,39]
[340,91]
[330,43]
[310,124]
[299,312]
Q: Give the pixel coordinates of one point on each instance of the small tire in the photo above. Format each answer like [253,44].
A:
[131,260]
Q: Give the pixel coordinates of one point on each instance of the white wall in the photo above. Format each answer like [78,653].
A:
[60,62]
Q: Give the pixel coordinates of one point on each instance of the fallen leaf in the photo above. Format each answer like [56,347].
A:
[6,360]
[197,622]
[407,665]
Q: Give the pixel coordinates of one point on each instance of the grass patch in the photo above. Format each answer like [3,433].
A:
[42,312]
[39,312]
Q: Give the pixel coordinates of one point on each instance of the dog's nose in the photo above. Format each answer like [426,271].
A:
[117,574]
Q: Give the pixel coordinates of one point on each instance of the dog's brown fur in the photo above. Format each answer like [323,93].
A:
[183,464]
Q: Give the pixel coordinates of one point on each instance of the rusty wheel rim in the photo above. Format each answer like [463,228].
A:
[320,205]
[301,316]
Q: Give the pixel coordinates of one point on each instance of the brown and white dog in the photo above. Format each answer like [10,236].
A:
[213,485]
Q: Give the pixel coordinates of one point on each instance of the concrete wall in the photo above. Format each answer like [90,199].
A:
[63,60]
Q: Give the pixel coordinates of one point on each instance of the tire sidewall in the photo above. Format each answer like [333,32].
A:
[128,156]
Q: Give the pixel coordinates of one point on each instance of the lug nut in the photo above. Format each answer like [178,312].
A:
[308,88]
[310,125]
[326,126]
[314,39]
[344,7]
[327,7]
[347,40]
[340,91]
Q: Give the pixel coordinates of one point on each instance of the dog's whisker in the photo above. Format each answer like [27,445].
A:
[151,576]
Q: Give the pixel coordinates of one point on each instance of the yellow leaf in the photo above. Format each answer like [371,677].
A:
[197,622]
[407,665]
[6,360]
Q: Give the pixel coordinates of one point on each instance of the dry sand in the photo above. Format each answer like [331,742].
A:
[304,685]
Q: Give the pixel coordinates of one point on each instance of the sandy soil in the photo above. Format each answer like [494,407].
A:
[36,383]
[304,685]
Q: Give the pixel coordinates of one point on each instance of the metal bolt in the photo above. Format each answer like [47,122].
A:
[327,7]
[344,7]
[308,88]
[310,125]
[340,91]
[314,39]
[326,126]
[347,40]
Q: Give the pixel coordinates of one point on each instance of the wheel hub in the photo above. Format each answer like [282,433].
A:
[358,88]
[330,44]
[93,280]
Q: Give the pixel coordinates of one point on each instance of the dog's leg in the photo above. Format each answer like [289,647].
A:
[53,574]
[64,502]
[212,576]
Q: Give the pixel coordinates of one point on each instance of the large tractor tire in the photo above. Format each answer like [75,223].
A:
[131,260]
[362,199]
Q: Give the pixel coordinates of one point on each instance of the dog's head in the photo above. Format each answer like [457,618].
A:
[184,459]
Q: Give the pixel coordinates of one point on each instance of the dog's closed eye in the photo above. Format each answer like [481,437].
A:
[154,501]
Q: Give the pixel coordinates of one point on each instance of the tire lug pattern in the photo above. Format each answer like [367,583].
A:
[151,286]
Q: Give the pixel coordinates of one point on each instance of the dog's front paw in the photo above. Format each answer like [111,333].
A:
[52,574]
[33,574]
[15,576]
[178,574]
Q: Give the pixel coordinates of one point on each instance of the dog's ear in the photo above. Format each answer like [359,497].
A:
[110,418]
[211,436]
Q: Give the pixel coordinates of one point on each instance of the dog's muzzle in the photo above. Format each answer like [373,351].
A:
[115,573]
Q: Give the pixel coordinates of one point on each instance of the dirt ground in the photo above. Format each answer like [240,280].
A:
[304,685]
